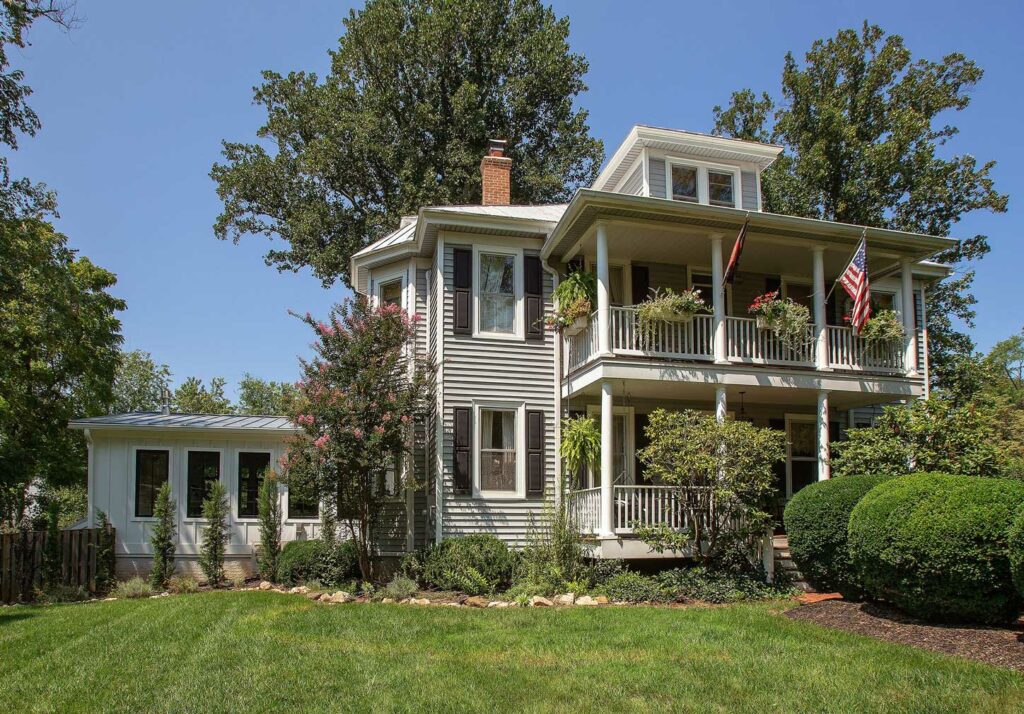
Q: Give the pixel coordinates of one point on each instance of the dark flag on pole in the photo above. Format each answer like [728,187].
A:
[734,259]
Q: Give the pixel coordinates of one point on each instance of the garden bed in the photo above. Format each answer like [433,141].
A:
[1000,646]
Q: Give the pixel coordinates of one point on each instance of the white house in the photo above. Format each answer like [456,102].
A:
[664,213]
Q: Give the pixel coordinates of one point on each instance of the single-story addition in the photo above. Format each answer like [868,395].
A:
[131,455]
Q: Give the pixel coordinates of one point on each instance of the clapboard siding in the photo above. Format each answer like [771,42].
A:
[487,369]
[422,440]
[656,177]
[748,182]
[634,185]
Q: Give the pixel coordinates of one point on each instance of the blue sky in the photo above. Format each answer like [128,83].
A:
[135,103]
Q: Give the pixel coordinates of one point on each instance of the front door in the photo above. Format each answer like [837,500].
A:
[801,452]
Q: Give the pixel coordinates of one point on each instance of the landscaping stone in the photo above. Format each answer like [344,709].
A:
[476,601]
[538,601]
[313,596]
[299,590]
[419,601]
[497,603]
[266,585]
[452,604]
[387,601]
[341,597]
[601,600]
[585,600]
[565,599]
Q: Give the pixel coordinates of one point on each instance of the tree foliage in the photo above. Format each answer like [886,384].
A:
[723,473]
[194,397]
[863,125]
[215,534]
[139,383]
[262,396]
[269,510]
[416,88]
[163,537]
[60,340]
[361,394]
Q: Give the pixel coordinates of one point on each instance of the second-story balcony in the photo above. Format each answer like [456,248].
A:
[745,343]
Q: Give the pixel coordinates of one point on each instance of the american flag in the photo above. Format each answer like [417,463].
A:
[855,281]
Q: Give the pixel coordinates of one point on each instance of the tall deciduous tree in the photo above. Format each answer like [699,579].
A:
[60,340]
[194,397]
[863,127]
[139,383]
[263,396]
[361,394]
[416,87]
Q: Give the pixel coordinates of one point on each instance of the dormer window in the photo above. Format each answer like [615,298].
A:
[698,182]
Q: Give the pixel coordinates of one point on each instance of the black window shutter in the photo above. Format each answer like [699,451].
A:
[641,283]
[533,289]
[461,452]
[463,290]
[534,453]
[640,427]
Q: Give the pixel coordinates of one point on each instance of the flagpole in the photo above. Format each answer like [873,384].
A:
[863,237]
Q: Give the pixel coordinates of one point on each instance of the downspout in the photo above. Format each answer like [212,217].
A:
[558,392]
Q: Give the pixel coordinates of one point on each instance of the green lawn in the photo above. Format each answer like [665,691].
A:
[253,650]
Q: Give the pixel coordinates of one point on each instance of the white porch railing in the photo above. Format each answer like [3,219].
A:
[692,339]
[585,509]
[849,351]
[581,347]
[746,342]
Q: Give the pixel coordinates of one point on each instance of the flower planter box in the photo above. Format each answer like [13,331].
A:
[578,326]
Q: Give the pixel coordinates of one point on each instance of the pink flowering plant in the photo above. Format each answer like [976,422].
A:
[360,396]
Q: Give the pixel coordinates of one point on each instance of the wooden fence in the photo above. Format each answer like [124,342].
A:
[21,559]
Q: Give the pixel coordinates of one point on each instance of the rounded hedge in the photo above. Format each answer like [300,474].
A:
[935,546]
[816,521]
[303,561]
[1016,546]
[475,564]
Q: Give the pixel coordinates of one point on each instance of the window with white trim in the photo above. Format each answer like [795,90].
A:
[497,293]
[721,191]
[697,182]
[390,293]
[252,468]
[498,469]
[684,183]
[203,472]
[152,469]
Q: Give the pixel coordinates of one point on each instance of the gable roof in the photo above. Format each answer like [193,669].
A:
[159,420]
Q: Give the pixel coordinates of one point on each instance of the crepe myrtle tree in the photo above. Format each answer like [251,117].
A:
[359,398]
[723,475]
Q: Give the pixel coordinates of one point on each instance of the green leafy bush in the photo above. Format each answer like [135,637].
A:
[303,561]
[628,586]
[182,585]
[1016,547]
[399,588]
[475,564]
[817,519]
[936,546]
[553,556]
[132,588]
[59,592]
[699,584]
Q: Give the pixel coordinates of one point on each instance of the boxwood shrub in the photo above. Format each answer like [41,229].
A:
[936,546]
[303,561]
[475,564]
[817,519]
[1016,545]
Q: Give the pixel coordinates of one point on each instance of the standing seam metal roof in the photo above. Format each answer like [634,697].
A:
[159,420]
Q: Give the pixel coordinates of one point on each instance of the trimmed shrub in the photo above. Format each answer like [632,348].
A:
[132,588]
[701,584]
[163,537]
[817,519]
[1016,546]
[303,561]
[475,564]
[936,546]
[182,585]
[628,586]
[400,588]
[215,534]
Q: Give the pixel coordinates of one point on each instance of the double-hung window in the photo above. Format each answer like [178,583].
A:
[302,501]
[252,467]
[391,293]
[684,183]
[203,472]
[702,183]
[498,471]
[497,293]
[720,188]
[152,469]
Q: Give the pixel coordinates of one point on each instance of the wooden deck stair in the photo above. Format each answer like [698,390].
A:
[785,566]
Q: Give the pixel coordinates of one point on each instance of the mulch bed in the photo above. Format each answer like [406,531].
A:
[1000,646]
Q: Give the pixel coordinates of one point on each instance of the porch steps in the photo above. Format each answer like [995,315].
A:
[784,564]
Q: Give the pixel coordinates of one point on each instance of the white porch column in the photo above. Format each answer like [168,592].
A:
[824,470]
[721,406]
[607,463]
[603,293]
[718,299]
[910,335]
[820,331]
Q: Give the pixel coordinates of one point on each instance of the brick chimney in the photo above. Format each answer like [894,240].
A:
[495,173]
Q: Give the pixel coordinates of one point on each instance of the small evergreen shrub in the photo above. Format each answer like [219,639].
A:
[132,588]
[1016,548]
[399,588]
[936,546]
[699,584]
[215,534]
[269,509]
[330,564]
[633,587]
[476,564]
[182,585]
[163,538]
[817,520]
